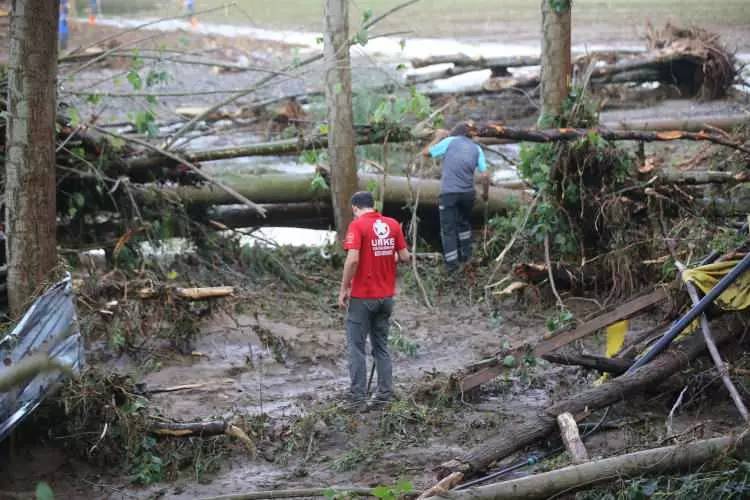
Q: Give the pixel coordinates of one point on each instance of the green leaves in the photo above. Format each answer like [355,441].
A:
[318,184]
[44,492]
[560,6]
[397,109]
[392,493]
[145,123]
[135,79]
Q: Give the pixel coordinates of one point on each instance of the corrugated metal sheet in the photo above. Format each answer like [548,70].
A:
[50,325]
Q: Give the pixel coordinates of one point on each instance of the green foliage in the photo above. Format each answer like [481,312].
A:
[560,6]
[318,184]
[44,492]
[728,484]
[394,492]
[560,320]
[148,467]
[145,123]
[395,110]
[727,239]
[332,494]
[398,342]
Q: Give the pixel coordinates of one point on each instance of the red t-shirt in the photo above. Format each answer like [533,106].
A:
[377,238]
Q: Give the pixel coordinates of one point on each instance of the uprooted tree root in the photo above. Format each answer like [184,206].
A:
[107,420]
[712,71]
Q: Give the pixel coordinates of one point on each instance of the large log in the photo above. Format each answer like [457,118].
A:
[513,438]
[692,124]
[276,188]
[480,62]
[498,131]
[656,461]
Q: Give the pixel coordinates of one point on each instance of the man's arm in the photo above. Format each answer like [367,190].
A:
[439,145]
[404,256]
[484,176]
[350,269]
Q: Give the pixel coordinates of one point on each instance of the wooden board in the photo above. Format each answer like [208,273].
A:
[623,311]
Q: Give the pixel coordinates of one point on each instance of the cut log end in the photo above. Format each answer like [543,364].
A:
[572,439]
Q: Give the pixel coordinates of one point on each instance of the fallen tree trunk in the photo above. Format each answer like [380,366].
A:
[275,188]
[311,215]
[609,365]
[480,62]
[146,167]
[655,461]
[417,78]
[697,177]
[535,428]
[498,131]
[692,124]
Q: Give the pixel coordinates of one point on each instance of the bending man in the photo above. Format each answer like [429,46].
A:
[461,156]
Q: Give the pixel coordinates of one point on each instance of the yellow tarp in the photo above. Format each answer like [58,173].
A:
[734,298]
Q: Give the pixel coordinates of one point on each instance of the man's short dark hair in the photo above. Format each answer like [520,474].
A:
[462,129]
[363,199]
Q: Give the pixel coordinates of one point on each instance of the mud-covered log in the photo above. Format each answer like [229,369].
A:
[513,438]
[691,456]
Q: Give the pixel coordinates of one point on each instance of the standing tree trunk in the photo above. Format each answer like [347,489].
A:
[30,155]
[556,66]
[338,82]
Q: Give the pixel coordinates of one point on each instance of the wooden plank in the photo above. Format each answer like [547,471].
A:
[624,311]
[619,313]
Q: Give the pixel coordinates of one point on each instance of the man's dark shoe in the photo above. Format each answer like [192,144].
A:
[378,404]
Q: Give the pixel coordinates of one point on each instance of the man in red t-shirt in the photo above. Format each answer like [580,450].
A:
[373,243]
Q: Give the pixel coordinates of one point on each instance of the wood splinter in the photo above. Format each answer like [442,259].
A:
[572,439]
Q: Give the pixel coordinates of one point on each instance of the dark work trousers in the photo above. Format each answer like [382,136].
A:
[369,316]
[455,227]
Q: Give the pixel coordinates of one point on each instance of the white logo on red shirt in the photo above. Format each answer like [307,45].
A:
[382,230]
[382,245]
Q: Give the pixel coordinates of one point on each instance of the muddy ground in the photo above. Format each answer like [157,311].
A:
[243,378]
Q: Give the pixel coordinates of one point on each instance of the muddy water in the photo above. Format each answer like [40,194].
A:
[242,375]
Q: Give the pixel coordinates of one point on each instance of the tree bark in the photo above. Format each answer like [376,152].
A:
[480,62]
[338,81]
[537,427]
[30,158]
[652,462]
[276,188]
[556,67]
[498,131]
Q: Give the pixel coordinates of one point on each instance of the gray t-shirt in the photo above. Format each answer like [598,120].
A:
[461,156]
